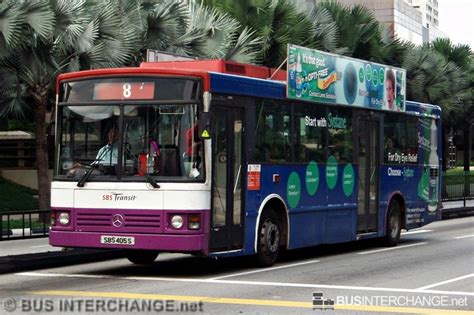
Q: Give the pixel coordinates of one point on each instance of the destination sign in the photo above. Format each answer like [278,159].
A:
[107,91]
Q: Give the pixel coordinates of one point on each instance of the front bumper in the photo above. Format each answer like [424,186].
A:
[161,242]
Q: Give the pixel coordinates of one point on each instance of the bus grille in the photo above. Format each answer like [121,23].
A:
[119,221]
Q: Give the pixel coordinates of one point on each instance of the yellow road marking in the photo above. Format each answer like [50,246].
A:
[239,301]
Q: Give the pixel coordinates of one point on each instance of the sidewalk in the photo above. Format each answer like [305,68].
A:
[36,253]
[456,208]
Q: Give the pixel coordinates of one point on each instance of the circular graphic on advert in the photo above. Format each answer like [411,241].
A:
[375,77]
[312,178]
[293,190]
[381,76]
[368,72]
[331,172]
[348,180]
[361,75]
[350,83]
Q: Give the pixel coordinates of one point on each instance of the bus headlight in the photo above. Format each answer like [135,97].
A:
[194,222]
[177,221]
[63,218]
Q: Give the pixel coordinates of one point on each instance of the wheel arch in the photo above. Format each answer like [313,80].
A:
[277,203]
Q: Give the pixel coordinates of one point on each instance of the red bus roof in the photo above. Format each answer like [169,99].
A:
[222,66]
[198,68]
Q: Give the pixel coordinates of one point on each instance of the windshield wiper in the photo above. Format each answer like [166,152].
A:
[148,177]
[94,165]
[151,180]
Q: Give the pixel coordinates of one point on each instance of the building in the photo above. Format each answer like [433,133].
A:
[415,21]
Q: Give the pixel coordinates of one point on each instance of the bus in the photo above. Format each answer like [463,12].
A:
[220,159]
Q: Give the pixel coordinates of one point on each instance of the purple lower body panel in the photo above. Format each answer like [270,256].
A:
[132,229]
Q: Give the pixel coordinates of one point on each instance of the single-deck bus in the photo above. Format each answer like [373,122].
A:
[212,157]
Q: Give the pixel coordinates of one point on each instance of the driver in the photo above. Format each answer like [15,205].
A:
[108,154]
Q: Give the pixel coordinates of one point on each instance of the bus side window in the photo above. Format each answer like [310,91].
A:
[272,132]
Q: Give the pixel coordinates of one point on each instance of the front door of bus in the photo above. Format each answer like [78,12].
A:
[369,162]
[227,193]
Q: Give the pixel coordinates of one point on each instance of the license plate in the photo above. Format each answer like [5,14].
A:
[117,240]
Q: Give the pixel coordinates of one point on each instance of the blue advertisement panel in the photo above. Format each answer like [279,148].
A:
[322,77]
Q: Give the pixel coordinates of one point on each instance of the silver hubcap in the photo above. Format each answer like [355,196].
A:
[272,236]
[394,226]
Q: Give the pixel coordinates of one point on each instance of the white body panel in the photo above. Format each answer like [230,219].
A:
[170,196]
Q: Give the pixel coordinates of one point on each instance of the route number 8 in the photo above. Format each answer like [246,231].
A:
[127,90]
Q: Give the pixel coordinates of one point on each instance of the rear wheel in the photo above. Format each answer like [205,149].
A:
[394,224]
[142,257]
[269,233]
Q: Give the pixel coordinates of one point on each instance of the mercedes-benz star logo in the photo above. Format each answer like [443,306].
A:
[117,220]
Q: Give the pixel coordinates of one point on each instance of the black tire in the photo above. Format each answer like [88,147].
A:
[269,234]
[142,257]
[393,226]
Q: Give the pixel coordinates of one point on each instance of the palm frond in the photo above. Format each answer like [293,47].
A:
[39,17]
[12,95]
[326,32]
[165,24]
[11,25]
[245,48]
[218,29]
[74,29]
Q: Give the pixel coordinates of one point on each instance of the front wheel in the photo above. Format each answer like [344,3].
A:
[269,233]
[394,224]
[142,257]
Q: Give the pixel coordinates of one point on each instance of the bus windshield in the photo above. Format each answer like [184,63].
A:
[127,142]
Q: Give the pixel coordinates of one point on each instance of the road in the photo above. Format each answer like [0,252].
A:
[431,271]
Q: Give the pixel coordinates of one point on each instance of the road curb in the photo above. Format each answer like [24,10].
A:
[16,263]
[448,213]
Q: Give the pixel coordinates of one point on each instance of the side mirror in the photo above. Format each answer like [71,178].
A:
[204,126]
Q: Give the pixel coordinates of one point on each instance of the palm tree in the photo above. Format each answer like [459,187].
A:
[213,34]
[196,31]
[39,40]
[359,34]
[424,82]
[461,116]
[276,23]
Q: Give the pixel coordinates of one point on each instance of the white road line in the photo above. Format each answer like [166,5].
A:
[255,283]
[465,236]
[416,232]
[445,282]
[265,269]
[40,246]
[391,248]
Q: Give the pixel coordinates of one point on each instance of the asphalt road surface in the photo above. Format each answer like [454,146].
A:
[430,272]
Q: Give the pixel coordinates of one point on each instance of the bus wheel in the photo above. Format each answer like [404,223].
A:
[394,224]
[268,238]
[142,257]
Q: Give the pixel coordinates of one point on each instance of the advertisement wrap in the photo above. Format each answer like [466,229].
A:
[322,77]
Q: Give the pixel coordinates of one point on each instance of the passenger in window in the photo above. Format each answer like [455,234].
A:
[193,146]
[389,144]
[193,142]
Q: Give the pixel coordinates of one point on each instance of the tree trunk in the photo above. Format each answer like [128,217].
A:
[42,152]
[444,148]
[467,159]
[467,147]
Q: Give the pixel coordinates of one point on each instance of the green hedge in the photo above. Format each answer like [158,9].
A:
[15,197]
